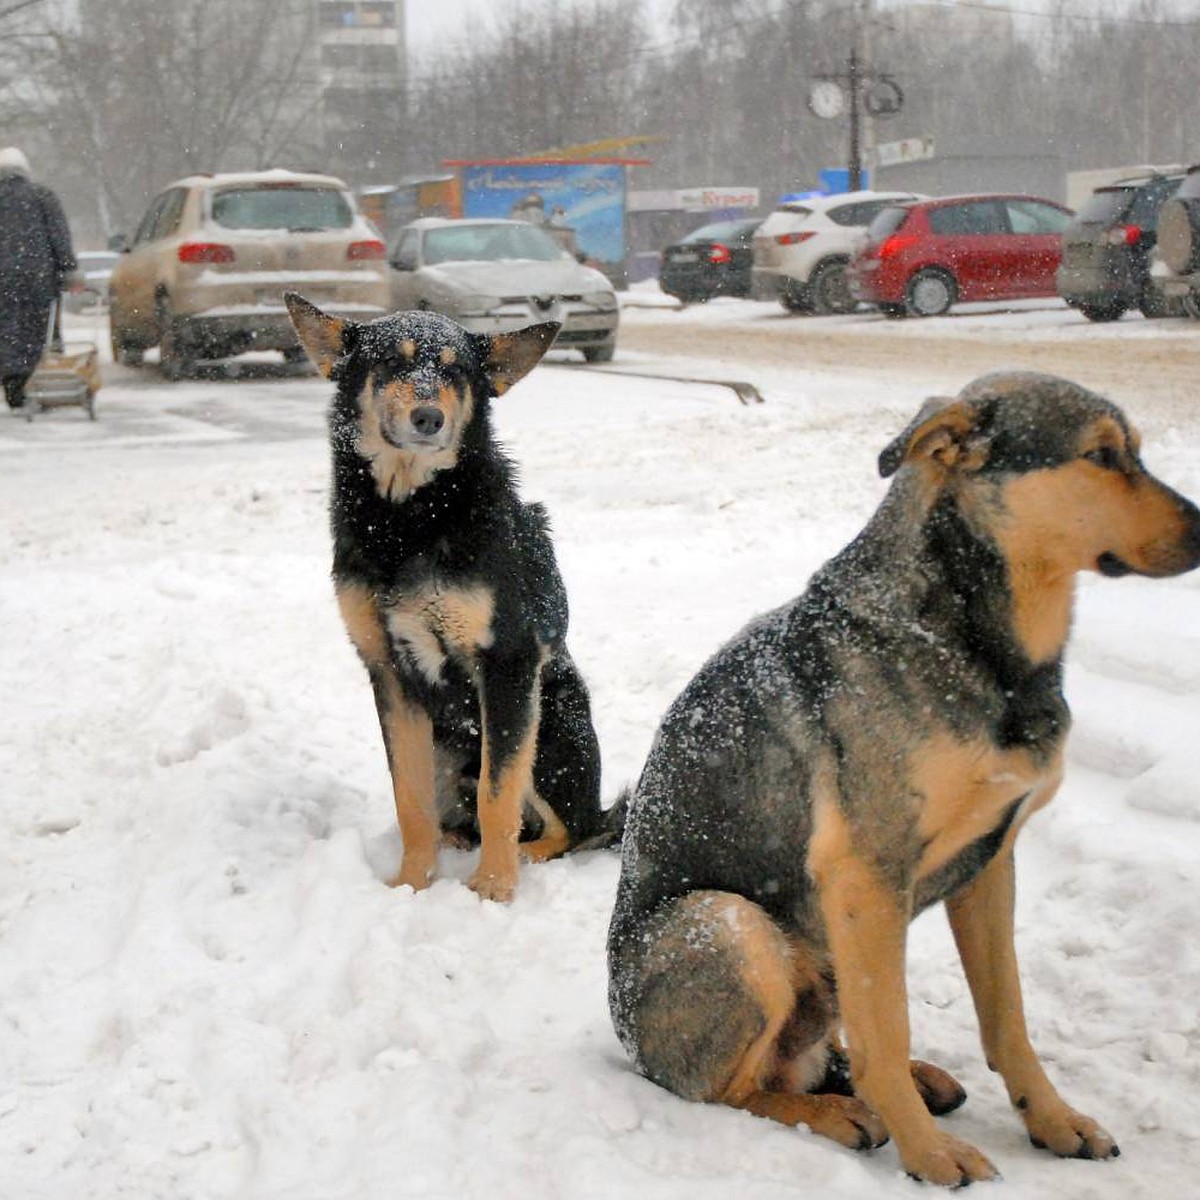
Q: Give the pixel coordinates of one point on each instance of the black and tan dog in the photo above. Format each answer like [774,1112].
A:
[449,589]
[869,750]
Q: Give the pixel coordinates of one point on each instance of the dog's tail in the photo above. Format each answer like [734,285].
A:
[608,829]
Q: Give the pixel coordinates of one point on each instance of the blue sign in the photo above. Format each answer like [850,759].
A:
[834,180]
[586,197]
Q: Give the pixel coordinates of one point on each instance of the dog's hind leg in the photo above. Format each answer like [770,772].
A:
[981,916]
[719,1006]
[566,772]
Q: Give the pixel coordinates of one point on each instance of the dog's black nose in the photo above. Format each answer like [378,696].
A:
[428,420]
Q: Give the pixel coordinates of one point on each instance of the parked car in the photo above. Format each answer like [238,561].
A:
[205,274]
[94,270]
[1177,267]
[922,257]
[1105,266]
[492,276]
[802,249]
[713,260]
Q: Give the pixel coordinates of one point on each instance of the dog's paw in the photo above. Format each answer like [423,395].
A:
[489,886]
[940,1091]
[949,1162]
[1069,1134]
[417,875]
[849,1121]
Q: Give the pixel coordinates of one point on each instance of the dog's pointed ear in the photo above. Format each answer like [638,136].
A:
[325,338]
[508,357]
[944,431]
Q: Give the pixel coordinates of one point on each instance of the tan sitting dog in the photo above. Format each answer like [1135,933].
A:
[866,751]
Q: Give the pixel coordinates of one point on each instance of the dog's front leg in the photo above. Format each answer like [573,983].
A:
[866,918]
[509,711]
[981,916]
[408,738]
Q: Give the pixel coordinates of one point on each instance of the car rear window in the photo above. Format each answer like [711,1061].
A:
[282,206]
[1104,206]
[887,221]
[863,212]
[1149,200]
[1189,189]
[722,231]
[490,243]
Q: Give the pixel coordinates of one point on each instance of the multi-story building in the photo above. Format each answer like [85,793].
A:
[361,52]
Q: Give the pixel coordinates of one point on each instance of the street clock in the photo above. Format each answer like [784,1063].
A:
[826,99]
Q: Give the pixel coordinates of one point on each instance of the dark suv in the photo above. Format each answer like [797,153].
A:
[1106,248]
[1178,271]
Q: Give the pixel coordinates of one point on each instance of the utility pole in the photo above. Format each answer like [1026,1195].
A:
[854,80]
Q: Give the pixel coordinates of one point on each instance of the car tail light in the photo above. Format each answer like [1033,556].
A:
[718,253]
[896,244]
[1122,235]
[372,249]
[206,252]
[792,239]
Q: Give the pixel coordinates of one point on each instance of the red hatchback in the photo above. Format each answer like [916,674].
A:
[921,257]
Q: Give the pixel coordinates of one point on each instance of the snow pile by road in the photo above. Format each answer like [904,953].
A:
[207,992]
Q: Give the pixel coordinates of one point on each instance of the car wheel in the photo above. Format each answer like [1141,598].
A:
[599,354]
[930,293]
[1111,310]
[795,299]
[172,361]
[1191,305]
[830,288]
[123,351]
[893,311]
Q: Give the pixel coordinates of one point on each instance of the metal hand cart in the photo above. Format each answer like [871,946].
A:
[65,376]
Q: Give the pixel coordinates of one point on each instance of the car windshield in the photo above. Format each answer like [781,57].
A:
[282,206]
[722,231]
[1105,206]
[490,243]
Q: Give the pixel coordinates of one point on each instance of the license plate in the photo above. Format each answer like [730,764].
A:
[685,256]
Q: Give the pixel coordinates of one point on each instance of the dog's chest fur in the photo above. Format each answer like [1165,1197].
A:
[429,625]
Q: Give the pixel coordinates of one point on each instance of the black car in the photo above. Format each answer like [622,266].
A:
[715,260]
[1105,265]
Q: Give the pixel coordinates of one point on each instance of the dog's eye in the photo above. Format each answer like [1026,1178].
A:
[1107,457]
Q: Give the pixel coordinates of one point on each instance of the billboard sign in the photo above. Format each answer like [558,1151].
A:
[586,197]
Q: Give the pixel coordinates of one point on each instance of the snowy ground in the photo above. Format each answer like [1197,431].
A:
[207,992]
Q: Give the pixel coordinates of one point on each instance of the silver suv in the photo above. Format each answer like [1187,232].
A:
[802,249]
[205,274]
[1177,269]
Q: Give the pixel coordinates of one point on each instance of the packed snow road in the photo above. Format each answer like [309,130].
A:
[207,992]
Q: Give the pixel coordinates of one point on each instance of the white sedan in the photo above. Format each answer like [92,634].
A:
[493,276]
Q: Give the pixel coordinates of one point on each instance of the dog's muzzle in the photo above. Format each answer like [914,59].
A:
[423,426]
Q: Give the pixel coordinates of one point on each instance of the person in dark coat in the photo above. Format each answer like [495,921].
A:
[36,259]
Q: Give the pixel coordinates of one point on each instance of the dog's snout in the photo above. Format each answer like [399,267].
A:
[428,420]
